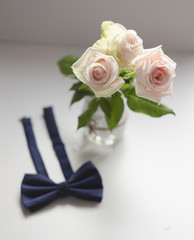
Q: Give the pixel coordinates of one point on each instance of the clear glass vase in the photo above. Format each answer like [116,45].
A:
[97,130]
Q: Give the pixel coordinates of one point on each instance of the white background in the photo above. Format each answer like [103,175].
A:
[148,177]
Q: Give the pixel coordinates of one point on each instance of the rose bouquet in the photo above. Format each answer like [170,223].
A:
[115,68]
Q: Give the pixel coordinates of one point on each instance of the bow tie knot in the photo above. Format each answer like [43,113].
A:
[63,190]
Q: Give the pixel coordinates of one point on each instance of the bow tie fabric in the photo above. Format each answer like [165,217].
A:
[38,190]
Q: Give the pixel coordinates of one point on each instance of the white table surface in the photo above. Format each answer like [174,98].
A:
[148,177]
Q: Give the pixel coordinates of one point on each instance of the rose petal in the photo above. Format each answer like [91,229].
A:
[79,66]
[111,29]
[110,90]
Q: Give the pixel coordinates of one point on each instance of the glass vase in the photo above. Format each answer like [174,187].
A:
[97,130]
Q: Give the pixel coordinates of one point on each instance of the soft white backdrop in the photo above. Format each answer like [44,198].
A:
[148,177]
[76,23]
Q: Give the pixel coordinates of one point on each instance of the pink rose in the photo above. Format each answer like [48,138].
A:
[99,71]
[154,73]
[130,45]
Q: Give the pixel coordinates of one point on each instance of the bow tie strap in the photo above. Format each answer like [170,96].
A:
[38,190]
[57,142]
[35,154]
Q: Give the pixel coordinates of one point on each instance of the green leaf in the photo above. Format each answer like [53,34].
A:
[125,87]
[80,92]
[122,73]
[79,86]
[117,107]
[105,106]
[65,65]
[76,86]
[84,87]
[128,76]
[78,95]
[85,117]
[142,105]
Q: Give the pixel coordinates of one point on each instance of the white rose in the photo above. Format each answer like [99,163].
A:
[123,44]
[99,71]
[154,73]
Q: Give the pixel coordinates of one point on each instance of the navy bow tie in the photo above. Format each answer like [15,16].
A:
[38,190]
